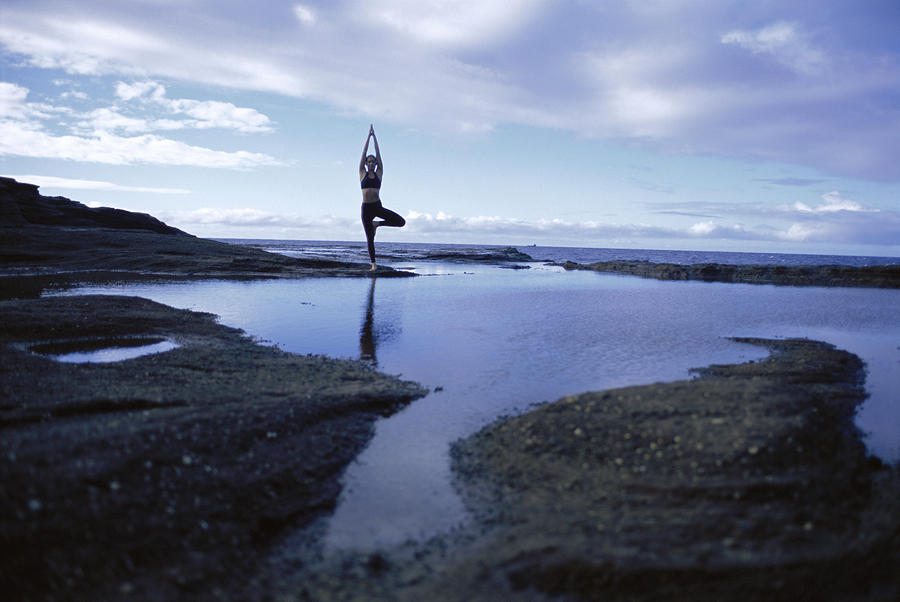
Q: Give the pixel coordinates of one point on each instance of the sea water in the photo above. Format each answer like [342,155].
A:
[490,341]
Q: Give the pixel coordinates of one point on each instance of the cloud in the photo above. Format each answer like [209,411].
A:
[12,100]
[767,81]
[80,45]
[205,114]
[833,204]
[791,181]
[108,120]
[254,218]
[861,230]
[304,14]
[479,227]
[75,184]
[74,94]
[783,42]
[26,140]
[127,91]
[454,23]
[97,136]
[803,232]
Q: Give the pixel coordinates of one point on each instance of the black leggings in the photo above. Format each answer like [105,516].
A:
[369,212]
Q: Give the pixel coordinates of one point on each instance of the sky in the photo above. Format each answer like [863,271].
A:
[765,126]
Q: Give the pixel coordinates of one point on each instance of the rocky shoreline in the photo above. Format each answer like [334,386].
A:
[877,276]
[748,483]
[55,242]
[165,475]
[182,475]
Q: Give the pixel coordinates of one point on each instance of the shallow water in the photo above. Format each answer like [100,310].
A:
[495,341]
[405,251]
[112,354]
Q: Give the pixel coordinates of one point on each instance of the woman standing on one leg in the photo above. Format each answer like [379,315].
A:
[370,172]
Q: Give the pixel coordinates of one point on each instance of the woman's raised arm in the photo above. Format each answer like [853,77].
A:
[362,160]
[377,151]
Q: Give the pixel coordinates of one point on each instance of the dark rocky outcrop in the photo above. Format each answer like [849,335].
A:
[748,483]
[55,241]
[164,477]
[879,276]
[21,204]
[486,256]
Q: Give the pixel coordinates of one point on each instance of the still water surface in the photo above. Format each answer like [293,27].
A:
[491,341]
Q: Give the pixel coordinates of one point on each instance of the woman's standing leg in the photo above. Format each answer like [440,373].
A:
[368,214]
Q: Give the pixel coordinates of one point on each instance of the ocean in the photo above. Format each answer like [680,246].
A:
[489,341]
[392,253]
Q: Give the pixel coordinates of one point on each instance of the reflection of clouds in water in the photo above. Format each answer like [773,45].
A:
[498,340]
[372,334]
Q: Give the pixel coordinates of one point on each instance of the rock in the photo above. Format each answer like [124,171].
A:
[479,256]
[21,203]
[43,238]
[878,276]
[173,472]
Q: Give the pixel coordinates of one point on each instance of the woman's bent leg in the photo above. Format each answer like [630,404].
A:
[369,212]
[390,218]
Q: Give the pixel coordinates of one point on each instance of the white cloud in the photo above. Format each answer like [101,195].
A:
[484,228]
[215,114]
[107,120]
[233,217]
[75,184]
[304,14]
[80,45]
[12,100]
[454,23]
[206,114]
[127,91]
[102,135]
[833,203]
[26,140]
[783,42]
[702,228]
[254,218]
[801,232]
[679,76]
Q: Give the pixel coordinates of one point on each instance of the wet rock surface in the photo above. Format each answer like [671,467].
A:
[207,471]
[164,476]
[504,254]
[878,276]
[749,483]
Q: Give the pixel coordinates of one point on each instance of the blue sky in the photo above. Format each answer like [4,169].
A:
[768,126]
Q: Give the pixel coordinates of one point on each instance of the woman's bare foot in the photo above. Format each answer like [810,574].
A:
[373,268]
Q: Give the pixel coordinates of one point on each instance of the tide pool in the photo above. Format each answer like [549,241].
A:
[490,341]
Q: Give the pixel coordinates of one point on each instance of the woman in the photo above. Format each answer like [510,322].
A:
[370,170]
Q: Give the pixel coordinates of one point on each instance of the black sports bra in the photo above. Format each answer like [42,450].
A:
[368,182]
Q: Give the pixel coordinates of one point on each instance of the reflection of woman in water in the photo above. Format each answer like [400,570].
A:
[367,331]
[370,171]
